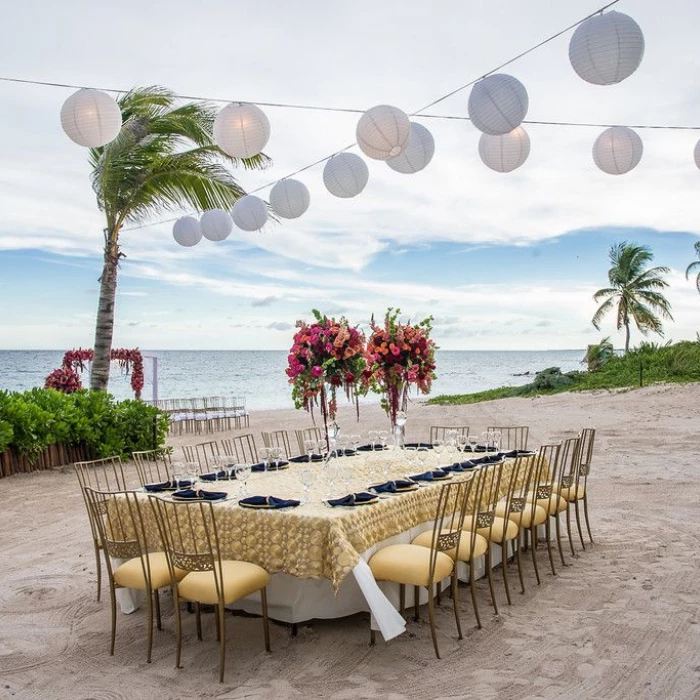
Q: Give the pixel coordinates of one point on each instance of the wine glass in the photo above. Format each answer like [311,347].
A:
[215,464]
[473,441]
[485,439]
[228,463]
[438,449]
[410,453]
[275,455]
[264,454]
[242,473]
[307,476]
[355,440]
[462,441]
[383,436]
[344,442]
[451,448]
[192,472]
[178,473]
[422,454]
[310,447]
[496,439]
[373,436]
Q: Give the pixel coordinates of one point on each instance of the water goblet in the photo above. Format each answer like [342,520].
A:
[192,472]
[275,456]
[496,439]
[462,441]
[473,441]
[383,436]
[450,449]
[264,455]
[178,473]
[344,442]
[215,465]
[307,477]
[373,436]
[438,449]
[422,454]
[242,473]
[355,440]
[410,457]
[485,439]
[228,464]
[310,447]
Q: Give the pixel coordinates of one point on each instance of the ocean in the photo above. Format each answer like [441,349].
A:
[258,375]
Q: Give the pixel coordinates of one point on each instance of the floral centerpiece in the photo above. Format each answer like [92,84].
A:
[399,356]
[325,356]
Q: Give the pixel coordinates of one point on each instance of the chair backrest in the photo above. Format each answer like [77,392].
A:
[106,474]
[205,451]
[546,472]
[190,537]
[243,447]
[587,437]
[437,432]
[153,466]
[513,437]
[449,519]
[310,434]
[567,471]
[520,478]
[278,438]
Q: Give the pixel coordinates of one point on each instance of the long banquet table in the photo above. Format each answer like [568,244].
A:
[310,550]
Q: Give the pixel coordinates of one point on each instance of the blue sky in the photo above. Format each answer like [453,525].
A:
[501,261]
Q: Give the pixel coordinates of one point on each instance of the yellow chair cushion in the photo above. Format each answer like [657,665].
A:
[240,578]
[409,564]
[481,544]
[496,532]
[574,492]
[524,518]
[130,573]
[553,505]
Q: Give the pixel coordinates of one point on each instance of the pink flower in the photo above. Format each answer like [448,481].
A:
[316,371]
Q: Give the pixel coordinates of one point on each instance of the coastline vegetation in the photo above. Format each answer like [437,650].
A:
[649,363]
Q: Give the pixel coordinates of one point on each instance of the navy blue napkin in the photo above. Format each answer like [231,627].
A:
[369,448]
[487,459]
[269,502]
[200,495]
[305,458]
[344,453]
[168,485]
[516,453]
[393,486]
[213,476]
[427,445]
[428,476]
[353,499]
[458,467]
[271,466]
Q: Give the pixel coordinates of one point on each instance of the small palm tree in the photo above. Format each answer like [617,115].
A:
[695,266]
[164,159]
[634,290]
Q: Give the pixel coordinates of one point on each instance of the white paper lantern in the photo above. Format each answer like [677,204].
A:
[249,213]
[289,199]
[345,175]
[216,224]
[497,104]
[617,150]
[187,231]
[91,118]
[241,130]
[505,152]
[383,132]
[417,154]
[607,48]
[696,154]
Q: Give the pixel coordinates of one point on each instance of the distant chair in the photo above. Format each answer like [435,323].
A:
[278,438]
[202,453]
[243,447]
[153,466]
[437,432]
[513,437]
[106,475]
[310,434]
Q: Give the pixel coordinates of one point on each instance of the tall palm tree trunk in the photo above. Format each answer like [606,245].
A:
[104,325]
[627,336]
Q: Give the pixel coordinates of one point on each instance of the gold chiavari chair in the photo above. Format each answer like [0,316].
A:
[310,434]
[192,545]
[574,489]
[278,438]
[153,466]
[201,453]
[437,432]
[119,521]
[242,446]
[105,474]
[565,477]
[513,437]
[420,566]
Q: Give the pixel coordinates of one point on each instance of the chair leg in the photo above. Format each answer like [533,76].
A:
[568,530]
[473,594]
[578,524]
[266,620]
[504,565]
[533,550]
[149,636]
[372,638]
[198,614]
[156,601]
[113,607]
[439,594]
[548,531]
[585,514]
[178,628]
[558,532]
[516,543]
[98,568]
[416,603]
[218,627]
[490,575]
[402,598]
[431,617]
[455,604]
[222,640]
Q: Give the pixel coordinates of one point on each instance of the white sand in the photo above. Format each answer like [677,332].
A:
[623,621]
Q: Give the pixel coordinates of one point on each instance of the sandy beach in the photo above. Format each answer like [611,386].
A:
[622,621]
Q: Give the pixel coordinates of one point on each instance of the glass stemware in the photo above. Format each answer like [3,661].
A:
[275,456]
[422,454]
[383,436]
[178,473]
[310,446]
[355,440]
[264,455]
[192,472]
[462,441]
[473,441]
[307,477]
[242,473]
[438,449]
[373,436]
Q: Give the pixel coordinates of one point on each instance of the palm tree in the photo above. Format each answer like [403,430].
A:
[634,290]
[695,265]
[164,159]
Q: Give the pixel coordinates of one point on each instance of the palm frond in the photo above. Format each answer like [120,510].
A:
[602,310]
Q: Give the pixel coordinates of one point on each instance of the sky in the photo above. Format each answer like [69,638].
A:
[501,261]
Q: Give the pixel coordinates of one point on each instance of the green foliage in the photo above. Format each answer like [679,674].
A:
[679,362]
[597,355]
[32,420]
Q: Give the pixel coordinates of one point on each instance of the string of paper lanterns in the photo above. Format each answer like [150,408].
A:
[604,50]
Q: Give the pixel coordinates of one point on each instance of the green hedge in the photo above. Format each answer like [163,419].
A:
[32,420]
